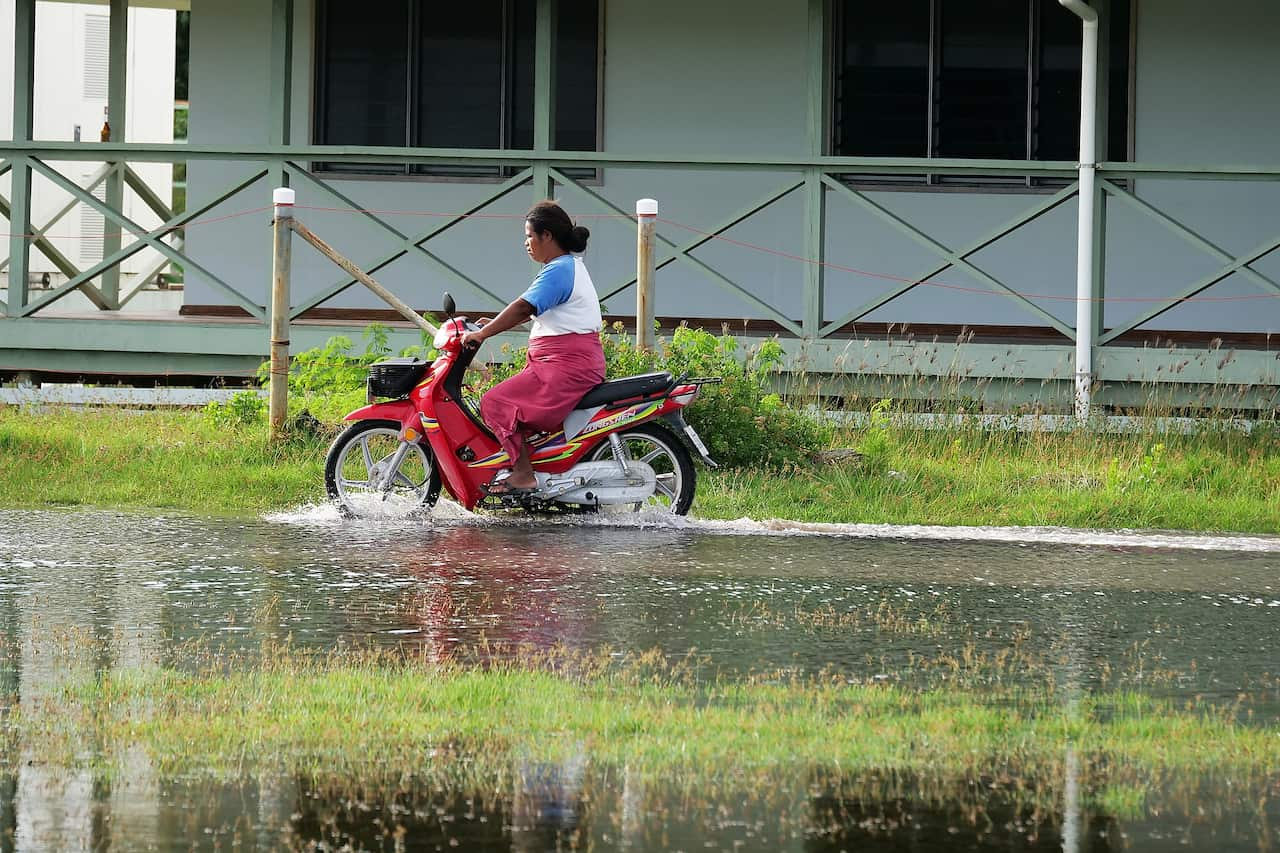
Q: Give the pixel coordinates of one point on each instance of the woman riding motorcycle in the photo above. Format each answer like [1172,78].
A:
[565,357]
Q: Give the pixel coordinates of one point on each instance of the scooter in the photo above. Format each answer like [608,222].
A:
[625,447]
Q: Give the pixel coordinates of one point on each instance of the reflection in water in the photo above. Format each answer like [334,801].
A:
[572,806]
[1183,622]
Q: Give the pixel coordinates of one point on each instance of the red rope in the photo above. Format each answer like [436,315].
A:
[978,290]
[982,291]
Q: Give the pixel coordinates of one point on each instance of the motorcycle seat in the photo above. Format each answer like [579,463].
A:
[644,385]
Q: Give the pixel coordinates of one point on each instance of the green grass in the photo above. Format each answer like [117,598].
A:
[1210,482]
[365,714]
[162,460]
[1218,482]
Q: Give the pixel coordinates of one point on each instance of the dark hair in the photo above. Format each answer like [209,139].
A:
[548,216]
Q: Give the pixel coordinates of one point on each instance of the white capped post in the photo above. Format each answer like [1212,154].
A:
[646,221]
[278,403]
[1087,196]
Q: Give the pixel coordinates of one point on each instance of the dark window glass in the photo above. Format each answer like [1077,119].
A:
[982,80]
[577,39]
[992,80]
[460,76]
[520,113]
[882,106]
[363,75]
[1118,82]
[412,72]
[1055,116]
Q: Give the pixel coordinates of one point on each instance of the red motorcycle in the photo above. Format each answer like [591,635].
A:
[623,447]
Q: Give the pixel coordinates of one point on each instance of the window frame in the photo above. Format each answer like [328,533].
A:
[832,108]
[342,170]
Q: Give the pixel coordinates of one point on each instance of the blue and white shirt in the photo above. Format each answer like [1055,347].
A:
[563,298]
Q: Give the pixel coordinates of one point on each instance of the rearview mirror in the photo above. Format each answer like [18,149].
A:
[450,307]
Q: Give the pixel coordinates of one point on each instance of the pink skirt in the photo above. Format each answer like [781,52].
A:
[560,370]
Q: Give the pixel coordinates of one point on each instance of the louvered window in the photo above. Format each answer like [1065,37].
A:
[97,31]
[92,225]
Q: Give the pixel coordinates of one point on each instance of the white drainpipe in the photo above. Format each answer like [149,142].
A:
[1088,183]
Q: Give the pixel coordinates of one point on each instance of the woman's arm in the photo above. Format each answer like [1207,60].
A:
[513,315]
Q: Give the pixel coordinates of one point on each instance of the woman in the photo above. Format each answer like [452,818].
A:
[565,357]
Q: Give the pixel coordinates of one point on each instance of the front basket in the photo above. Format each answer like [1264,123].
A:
[395,377]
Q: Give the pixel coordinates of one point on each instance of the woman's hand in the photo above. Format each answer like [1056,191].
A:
[513,315]
[473,339]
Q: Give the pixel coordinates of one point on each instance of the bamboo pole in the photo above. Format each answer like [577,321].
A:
[363,277]
[278,403]
[646,221]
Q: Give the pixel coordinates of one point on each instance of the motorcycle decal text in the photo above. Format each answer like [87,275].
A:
[622,418]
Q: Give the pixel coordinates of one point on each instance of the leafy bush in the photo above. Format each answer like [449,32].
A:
[329,381]
[244,408]
[877,441]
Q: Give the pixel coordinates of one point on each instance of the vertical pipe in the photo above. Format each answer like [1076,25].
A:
[24,72]
[117,116]
[814,192]
[1088,199]
[814,243]
[646,221]
[278,404]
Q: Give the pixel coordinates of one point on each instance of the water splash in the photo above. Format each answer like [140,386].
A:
[446,513]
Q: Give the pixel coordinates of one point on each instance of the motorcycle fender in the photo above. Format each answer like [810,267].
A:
[398,410]
[676,419]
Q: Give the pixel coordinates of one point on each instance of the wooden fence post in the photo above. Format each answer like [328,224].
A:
[278,406]
[646,221]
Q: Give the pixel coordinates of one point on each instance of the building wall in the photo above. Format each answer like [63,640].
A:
[725,78]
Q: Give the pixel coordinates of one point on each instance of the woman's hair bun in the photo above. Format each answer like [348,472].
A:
[579,237]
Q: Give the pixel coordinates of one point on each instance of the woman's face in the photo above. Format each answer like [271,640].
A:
[541,247]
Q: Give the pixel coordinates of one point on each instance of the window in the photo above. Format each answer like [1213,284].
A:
[992,80]
[412,73]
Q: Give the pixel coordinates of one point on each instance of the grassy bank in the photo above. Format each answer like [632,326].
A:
[366,715]
[1217,481]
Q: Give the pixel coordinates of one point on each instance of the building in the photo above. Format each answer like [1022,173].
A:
[893,191]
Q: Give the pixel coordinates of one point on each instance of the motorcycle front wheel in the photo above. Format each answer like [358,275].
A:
[666,454]
[357,465]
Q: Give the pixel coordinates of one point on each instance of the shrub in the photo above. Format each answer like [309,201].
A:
[329,381]
[244,408]
[877,441]
[743,422]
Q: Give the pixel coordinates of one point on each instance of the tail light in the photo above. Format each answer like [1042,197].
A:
[686,394]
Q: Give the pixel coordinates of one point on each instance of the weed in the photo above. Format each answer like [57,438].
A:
[244,408]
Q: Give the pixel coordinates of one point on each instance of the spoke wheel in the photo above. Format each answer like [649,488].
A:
[662,451]
[360,460]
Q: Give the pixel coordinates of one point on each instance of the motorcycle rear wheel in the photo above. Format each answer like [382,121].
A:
[360,454]
[660,449]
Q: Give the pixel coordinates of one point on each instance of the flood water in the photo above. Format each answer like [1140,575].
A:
[1173,616]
